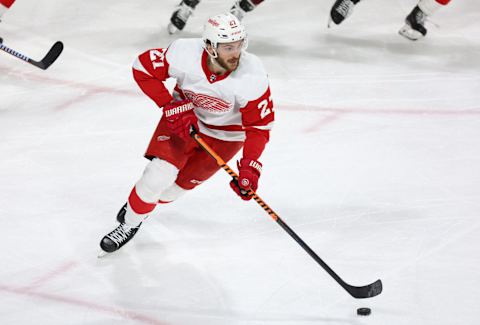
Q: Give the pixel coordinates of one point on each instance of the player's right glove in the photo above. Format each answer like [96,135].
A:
[248,174]
[180,118]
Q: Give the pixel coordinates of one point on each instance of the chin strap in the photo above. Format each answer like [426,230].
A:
[214,62]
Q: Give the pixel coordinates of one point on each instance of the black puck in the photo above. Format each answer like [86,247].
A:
[364,311]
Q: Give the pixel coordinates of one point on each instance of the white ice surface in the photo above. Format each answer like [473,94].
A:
[374,162]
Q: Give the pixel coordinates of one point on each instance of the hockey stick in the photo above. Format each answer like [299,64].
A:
[43,64]
[367,291]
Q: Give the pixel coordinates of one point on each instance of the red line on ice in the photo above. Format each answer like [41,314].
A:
[80,303]
[50,275]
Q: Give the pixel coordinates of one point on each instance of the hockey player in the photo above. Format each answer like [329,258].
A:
[221,91]
[414,27]
[185,9]
[4,5]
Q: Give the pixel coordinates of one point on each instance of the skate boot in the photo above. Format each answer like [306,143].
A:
[414,28]
[121,235]
[241,7]
[180,16]
[341,9]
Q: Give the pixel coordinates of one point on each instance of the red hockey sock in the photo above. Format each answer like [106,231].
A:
[138,205]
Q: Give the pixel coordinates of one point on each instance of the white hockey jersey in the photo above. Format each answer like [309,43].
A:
[227,106]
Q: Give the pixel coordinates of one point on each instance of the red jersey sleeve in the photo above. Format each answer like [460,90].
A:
[257,120]
[150,70]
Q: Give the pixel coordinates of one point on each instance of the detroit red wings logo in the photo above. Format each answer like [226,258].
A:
[209,103]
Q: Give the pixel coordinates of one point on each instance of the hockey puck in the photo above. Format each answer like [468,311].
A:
[364,311]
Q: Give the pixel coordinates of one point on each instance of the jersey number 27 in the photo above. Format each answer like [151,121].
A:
[158,58]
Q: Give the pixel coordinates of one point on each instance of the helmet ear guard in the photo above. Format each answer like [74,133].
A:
[223,28]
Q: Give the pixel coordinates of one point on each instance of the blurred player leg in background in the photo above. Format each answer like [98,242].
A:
[186,7]
[180,16]
[241,7]
[414,27]
[341,9]
[4,5]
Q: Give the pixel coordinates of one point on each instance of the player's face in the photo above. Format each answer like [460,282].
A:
[229,54]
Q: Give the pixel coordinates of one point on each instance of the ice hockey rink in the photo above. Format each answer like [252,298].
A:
[373,161]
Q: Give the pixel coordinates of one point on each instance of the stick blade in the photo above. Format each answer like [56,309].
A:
[51,56]
[368,291]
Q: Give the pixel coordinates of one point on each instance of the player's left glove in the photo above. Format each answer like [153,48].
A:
[248,174]
[180,118]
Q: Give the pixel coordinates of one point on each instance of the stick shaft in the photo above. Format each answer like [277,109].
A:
[367,291]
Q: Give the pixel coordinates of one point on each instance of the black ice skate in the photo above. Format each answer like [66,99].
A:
[341,9]
[121,235]
[414,28]
[180,16]
[241,7]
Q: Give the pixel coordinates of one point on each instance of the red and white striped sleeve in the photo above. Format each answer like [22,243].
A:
[257,120]
[150,70]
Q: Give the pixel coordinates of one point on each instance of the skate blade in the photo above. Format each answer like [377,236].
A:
[172,29]
[409,33]
[102,254]
[329,22]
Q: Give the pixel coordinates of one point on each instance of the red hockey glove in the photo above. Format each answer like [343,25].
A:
[180,117]
[248,173]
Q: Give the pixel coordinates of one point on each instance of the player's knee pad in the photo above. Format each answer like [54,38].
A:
[157,176]
[172,193]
